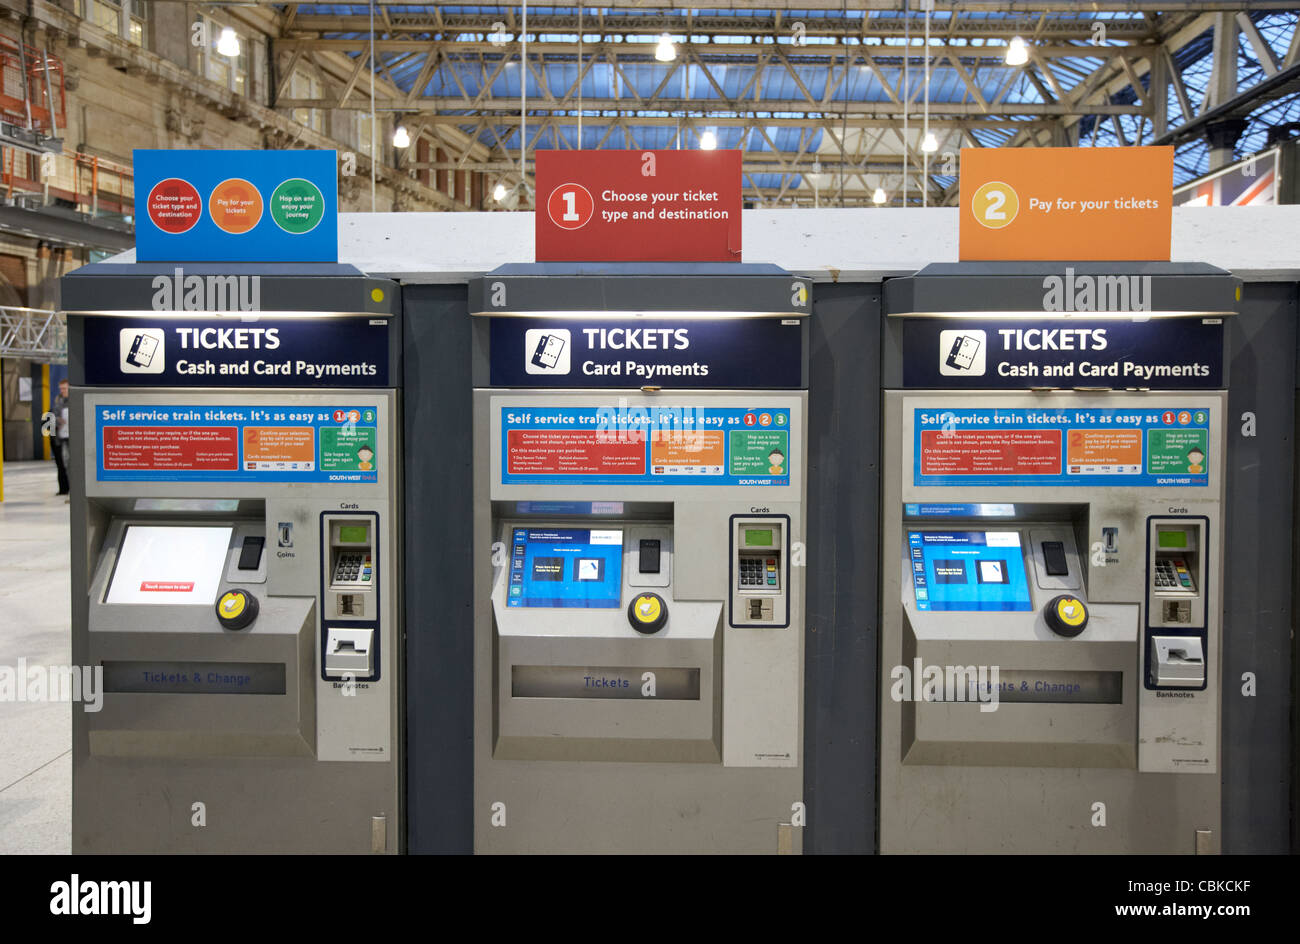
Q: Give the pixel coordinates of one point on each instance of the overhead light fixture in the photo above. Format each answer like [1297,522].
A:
[879,197]
[665,51]
[1017,52]
[708,141]
[401,137]
[929,144]
[228,43]
[499,192]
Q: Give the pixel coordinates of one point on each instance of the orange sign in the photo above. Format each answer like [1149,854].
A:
[1061,204]
[1108,447]
[279,444]
[687,447]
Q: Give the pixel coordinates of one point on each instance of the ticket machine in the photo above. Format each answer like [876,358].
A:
[235,525]
[639,455]
[1052,536]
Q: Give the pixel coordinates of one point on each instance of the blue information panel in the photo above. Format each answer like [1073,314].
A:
[682,445]
[1159,353]
[970,571]
[189,443]
[717,353]
[236,206]
[566,567]
[218,351]
[1152,447]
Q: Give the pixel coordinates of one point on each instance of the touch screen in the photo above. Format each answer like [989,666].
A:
[968,571]
[565,567]
[161,564]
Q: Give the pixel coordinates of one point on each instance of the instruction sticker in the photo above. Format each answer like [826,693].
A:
[176,443]
[645,446]
[1107,447]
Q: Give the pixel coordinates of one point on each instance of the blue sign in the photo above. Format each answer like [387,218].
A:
[1115,353]
[566,567]
[180,442]
[644,445]
[226,351]
[1148,446]
[959,510]
[638,352]
[236,206]
[968,571]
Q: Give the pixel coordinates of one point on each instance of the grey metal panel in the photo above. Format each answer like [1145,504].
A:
[1257,743]
[676,292]
[325,288]
[1018,286]
[66,228]
[439,570]
[843,555]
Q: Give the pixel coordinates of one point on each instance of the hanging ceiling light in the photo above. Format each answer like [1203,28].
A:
[1017,52]
[708,141]
[499,192]
[665,51]
[929,144]
[879,197]
[401,137]
[228,43]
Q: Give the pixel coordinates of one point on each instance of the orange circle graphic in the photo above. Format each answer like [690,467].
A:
[235,205]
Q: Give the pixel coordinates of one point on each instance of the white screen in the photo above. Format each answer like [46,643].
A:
[169,565]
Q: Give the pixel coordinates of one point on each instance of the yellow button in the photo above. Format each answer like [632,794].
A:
[377,294]
[1071,611]
[232,604]
[647,609]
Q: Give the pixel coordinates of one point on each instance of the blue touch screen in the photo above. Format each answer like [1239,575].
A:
[968,571]
[565,567]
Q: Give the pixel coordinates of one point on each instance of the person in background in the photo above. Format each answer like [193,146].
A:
[61,449]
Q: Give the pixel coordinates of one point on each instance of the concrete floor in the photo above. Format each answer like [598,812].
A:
[35,738]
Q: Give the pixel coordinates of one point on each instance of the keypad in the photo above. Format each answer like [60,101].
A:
[1172,575]
[758,572]
[352,567]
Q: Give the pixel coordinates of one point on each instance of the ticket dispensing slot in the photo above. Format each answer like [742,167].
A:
[350,594]
[1175,649]
[599,658]
[230,661]
[1010,590]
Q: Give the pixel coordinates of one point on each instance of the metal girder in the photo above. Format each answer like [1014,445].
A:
[1071,79]
[649,106]
[33,333]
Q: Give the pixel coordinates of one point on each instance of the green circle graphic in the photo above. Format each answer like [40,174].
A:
[297,206]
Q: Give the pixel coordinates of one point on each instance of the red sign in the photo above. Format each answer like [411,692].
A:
[167,586]
[638,206]
[991,452]
[171,447]
[575,452]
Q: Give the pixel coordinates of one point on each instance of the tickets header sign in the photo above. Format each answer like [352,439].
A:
[638,206]
[236,206]
[1169,353]
[1099,204]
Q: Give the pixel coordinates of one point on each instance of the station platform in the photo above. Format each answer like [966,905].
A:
[35,738]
